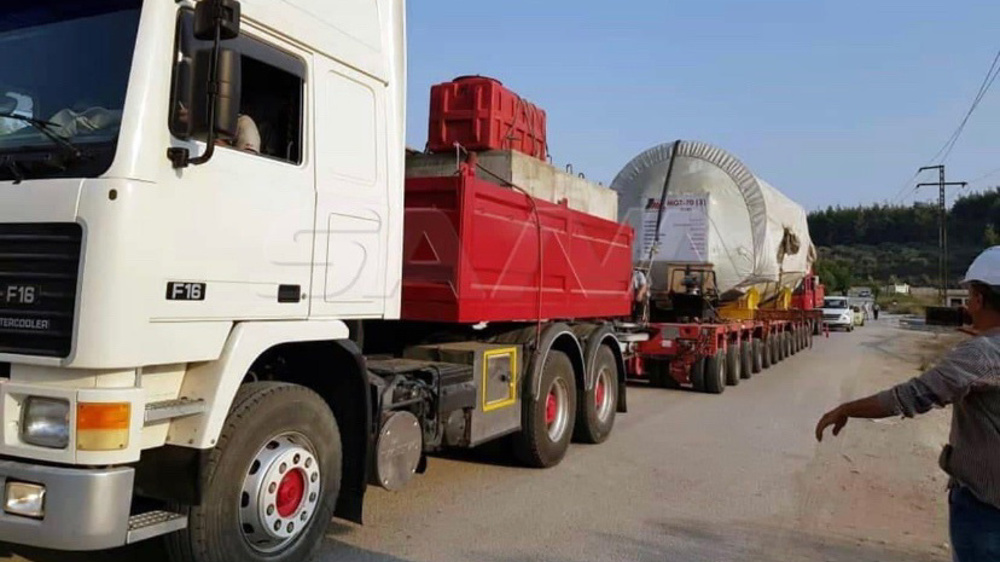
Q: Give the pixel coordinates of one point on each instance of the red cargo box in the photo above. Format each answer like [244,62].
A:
[471,255]
[480,114]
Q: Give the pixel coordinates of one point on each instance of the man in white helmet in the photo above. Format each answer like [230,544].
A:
[968,379]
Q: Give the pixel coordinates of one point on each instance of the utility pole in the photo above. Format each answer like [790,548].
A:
[942,186]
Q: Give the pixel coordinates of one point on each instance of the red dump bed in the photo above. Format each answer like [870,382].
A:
[471,255]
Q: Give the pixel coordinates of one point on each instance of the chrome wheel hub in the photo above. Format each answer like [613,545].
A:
[281,491]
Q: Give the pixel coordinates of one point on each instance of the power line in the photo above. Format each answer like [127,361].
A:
[991,76]
[945,150]
[984,176]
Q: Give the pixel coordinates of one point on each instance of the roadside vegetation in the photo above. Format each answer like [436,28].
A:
[882,244]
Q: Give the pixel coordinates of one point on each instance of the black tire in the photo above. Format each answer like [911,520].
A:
[698,374]
[758,356]
[817,328]
[789,344]
[262,414]
[746,360]
[595,413]
[778,349]
[715,373]
[733,365]
[767,353]
[658,373]
[532,445]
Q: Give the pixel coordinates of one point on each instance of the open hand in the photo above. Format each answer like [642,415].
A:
[836,417]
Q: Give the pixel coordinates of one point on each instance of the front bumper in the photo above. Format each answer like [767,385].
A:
[85,509]
[839,322]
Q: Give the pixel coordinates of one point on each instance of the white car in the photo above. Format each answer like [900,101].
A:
[837,313]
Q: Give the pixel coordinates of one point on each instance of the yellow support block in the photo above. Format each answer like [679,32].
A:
[743,309]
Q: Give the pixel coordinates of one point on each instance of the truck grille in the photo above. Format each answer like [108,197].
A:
[39,267]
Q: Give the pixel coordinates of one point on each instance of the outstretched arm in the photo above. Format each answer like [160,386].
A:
[868,408]
[943,384]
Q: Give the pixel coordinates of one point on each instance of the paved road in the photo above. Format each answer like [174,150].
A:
[684,477]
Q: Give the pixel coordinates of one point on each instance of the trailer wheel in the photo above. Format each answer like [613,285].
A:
[757,346]
[746,360]
[789,344]
[733,365]
[715,373]
[776,348]
[547,421]
[271,482]
[767,357]
[595,414]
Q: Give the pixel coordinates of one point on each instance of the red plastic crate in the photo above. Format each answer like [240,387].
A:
[471,255]
[480,114]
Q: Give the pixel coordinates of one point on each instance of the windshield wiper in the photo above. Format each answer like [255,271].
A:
[46,128]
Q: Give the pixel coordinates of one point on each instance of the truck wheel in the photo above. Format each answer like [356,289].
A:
[658,373]
[715,373]
[767,359]
[776,348]
[271,482]
[595,414]
[758,356]
[732,365]
[547,421]
[698,374]
[746,360]
[789,344]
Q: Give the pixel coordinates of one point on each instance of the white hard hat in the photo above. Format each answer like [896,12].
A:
[985,268]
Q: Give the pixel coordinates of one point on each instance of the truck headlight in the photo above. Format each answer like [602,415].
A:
[45,422]
[24,499]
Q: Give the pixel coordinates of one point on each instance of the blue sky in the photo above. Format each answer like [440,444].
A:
[831,102]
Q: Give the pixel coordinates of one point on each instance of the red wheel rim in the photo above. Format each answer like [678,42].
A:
[599,393]
[551,408]
[290,493]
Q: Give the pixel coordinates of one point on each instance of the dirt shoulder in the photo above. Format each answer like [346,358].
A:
[878,483]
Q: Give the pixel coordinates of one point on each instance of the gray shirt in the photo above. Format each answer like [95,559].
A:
[968,378]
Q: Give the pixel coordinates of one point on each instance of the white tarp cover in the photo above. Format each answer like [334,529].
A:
[718,212]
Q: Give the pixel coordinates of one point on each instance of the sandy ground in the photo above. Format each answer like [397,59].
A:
[687,477]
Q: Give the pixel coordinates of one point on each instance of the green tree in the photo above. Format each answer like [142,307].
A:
[990,236]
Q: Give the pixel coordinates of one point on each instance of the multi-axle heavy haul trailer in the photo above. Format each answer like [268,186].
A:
[225,346]
[728,260]
[708,354]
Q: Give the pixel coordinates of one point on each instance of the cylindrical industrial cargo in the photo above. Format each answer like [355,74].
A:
[716,213]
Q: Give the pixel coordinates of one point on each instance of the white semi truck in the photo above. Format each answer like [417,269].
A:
[181,320]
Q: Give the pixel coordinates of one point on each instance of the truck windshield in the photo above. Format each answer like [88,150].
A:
[63,77]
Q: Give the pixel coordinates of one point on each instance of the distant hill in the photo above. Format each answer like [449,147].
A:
[884,243]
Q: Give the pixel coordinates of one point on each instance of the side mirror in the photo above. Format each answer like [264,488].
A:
[215,95]
[220,17]
[229,78]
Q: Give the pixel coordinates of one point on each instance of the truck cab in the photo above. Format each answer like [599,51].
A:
[150,266]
